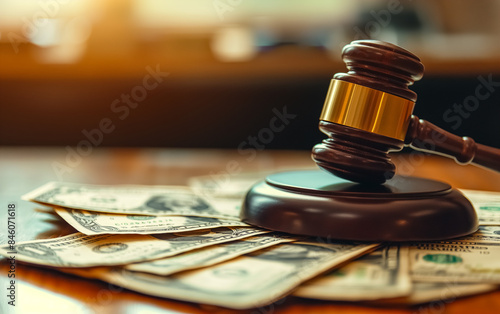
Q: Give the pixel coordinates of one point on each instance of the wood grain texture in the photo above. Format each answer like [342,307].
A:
[49,291]
[425,136]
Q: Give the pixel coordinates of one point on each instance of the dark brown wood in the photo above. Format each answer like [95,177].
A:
[382,66]
[425,136]
[315,203]
[354,154]
[358,155]
[361,156]
[44,290]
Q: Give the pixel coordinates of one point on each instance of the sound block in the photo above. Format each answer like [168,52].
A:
[315,203]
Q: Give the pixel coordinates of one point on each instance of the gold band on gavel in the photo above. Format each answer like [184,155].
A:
[367,109]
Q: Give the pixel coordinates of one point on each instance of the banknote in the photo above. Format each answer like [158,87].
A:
[486,204]
[210,255]
[252,280]
[91,222]
[484,233]
[80,250]
[458,260]
[129,199]
[445,292]
[226,186]
[383,273]
[225,195]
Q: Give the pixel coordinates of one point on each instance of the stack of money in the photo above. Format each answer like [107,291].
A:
[188,244]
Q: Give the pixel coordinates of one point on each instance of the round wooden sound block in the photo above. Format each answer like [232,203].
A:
[315,203]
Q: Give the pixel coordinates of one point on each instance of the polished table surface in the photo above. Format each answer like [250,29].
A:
[42,290]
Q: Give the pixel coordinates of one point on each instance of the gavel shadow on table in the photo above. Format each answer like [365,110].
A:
[367,114]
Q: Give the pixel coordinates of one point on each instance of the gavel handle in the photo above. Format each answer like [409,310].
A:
[425,136]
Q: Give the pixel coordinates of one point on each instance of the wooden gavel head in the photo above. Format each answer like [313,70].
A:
[367,114]
[367,111]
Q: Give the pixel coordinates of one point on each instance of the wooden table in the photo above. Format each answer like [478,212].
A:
[48,291]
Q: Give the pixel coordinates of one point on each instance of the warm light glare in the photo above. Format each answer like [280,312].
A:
[48,34]
[234,44]
[64,42]
[43,302]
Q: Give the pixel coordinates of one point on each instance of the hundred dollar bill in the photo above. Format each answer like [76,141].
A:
[252,280]
[475,260]
[90,222]
[486,204]
[210,255]
[383,273]
[129,199]
[79,250]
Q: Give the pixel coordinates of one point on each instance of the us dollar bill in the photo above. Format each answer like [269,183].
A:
[129,199]
[80,250]
[249,281]
[210,255]
[91,222]
[225,185]
[471,259]
[445,292]
[484,233]
[383,273]
[486,204]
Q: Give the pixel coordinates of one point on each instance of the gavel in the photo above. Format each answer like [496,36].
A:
[368,113]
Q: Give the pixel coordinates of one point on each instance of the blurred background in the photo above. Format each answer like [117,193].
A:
[212,73]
